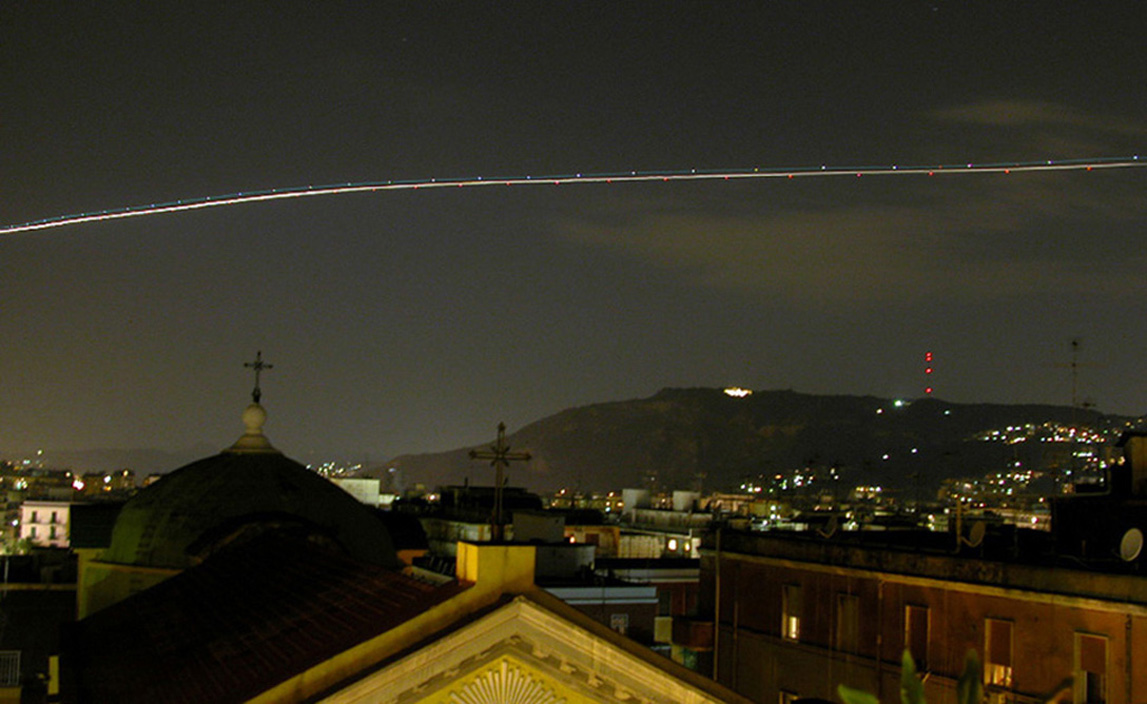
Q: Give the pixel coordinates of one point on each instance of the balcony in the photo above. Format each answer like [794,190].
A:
[692,633]
[9,668]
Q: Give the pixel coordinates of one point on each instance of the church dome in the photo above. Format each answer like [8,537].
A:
[248,489]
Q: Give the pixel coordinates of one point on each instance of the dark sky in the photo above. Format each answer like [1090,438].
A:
[415,321]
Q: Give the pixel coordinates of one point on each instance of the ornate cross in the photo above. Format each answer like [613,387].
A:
[500,458]
[258,365]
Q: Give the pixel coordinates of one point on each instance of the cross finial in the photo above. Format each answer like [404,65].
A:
[258,365]
[500,458]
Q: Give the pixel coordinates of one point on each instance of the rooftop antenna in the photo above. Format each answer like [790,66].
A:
[928,369]
[1075,343]
[1075,365]
[1076,406]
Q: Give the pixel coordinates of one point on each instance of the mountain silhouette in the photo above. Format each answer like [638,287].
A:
[688,436]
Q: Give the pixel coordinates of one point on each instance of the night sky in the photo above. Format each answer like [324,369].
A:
[415,321]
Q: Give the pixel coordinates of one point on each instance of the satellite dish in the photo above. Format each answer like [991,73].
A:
[1131,545]
[975,535]
[830,528]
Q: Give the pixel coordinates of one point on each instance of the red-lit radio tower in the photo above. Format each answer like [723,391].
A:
[927,373]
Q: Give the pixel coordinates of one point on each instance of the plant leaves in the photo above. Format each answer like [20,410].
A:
[848,695]
[970,687]
[911,688]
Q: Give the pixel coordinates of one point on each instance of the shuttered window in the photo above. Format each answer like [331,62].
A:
[1091,671]
[998,653]
[916,634]
[791,612]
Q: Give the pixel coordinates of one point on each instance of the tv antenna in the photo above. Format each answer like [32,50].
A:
[1075,365]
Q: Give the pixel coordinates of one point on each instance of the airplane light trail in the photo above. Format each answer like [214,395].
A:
[626,177]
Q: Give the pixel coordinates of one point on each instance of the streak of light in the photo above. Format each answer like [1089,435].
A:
[577,178]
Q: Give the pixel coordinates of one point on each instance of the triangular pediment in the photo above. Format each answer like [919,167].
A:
[504,680]
[524,653]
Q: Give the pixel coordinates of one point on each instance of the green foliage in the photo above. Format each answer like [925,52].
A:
[969,688]
[855,696]
[911,687]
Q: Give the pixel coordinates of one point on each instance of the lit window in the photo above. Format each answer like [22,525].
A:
[791,612]
[998,653]
[1090,669]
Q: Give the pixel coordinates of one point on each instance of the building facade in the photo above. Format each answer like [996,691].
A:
[1058,616]
[45,523]
[797,618]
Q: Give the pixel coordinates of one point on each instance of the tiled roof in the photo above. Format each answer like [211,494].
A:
[246,619]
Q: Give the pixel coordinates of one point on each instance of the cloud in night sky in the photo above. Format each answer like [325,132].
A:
[866,243]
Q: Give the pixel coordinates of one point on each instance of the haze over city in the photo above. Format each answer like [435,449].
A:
[414,321]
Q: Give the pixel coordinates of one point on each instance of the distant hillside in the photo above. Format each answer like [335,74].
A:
[680,433]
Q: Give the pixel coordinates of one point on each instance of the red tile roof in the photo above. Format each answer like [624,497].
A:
[244,620]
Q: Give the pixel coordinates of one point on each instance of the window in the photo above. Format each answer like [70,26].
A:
[998,653]
[847,623]
[52,518]
[52,532]
[791,612]
[1090,669]
[33,518]
[916,634]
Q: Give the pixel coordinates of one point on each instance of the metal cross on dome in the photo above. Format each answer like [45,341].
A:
[500,458]
[258,365]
